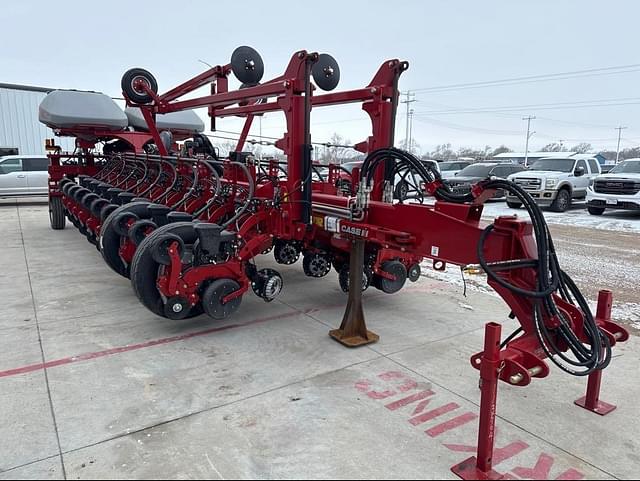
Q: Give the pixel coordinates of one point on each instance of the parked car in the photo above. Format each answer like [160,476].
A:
[556,182]
[619,189]
[449,170]
[24,175]
[606,168]
[410,184]
[474,173]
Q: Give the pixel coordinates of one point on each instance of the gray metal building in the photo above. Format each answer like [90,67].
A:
[19,126]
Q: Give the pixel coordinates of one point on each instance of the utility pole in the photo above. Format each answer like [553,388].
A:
[619,129]
[529,134]
[410,99]
[410,145]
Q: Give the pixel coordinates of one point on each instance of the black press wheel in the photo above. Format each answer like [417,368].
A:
[396,269]
[131,85]
[214,294]
[56,213]
[562,202]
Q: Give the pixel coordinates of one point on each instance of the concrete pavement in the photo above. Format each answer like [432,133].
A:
[93,386]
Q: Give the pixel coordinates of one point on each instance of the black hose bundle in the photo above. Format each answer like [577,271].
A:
[551,279]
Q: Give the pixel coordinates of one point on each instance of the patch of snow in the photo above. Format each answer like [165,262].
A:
[621,221]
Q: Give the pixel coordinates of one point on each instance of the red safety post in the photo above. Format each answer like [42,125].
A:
[480,467]
[591,402]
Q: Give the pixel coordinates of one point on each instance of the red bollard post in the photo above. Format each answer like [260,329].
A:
[480,467]
[591,402]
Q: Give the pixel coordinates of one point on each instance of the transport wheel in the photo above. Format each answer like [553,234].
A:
[388,286]
[596,210]
[144,269]
[514,205]
[215,293]
[562,202]
[130,85]
[110,239]
[56,213]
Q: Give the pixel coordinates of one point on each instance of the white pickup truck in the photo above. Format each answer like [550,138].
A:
[619,189]
[555,182]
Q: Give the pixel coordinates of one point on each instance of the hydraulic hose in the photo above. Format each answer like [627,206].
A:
[595,353]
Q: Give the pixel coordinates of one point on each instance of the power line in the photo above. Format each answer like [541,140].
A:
[546,106]
[594,72]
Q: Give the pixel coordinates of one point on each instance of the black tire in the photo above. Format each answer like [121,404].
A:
[395,268]
[214,293]
[56,213]
[144,269]
[562,203]
[514,205]
[596,210]
[110,239]
[137,230]
[127,84]
[160,248]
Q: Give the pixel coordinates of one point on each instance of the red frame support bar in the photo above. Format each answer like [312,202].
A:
[480,467]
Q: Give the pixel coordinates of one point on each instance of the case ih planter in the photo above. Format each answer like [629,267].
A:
[187,228]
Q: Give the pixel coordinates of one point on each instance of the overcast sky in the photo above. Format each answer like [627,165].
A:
[88,45]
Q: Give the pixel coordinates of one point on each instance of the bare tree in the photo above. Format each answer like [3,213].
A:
[554,147]
[582,148]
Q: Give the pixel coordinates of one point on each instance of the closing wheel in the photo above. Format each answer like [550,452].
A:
[396,269]
[56,213]
[110,239]
[286,253]
[247,65]
[316,265]
[144,269]
[214,294]
[132,85]
[267,284]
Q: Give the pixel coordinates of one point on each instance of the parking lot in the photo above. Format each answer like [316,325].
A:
[93,386]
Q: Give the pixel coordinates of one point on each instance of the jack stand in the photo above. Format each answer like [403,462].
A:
[353,330]
[591,402]
[480,467]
